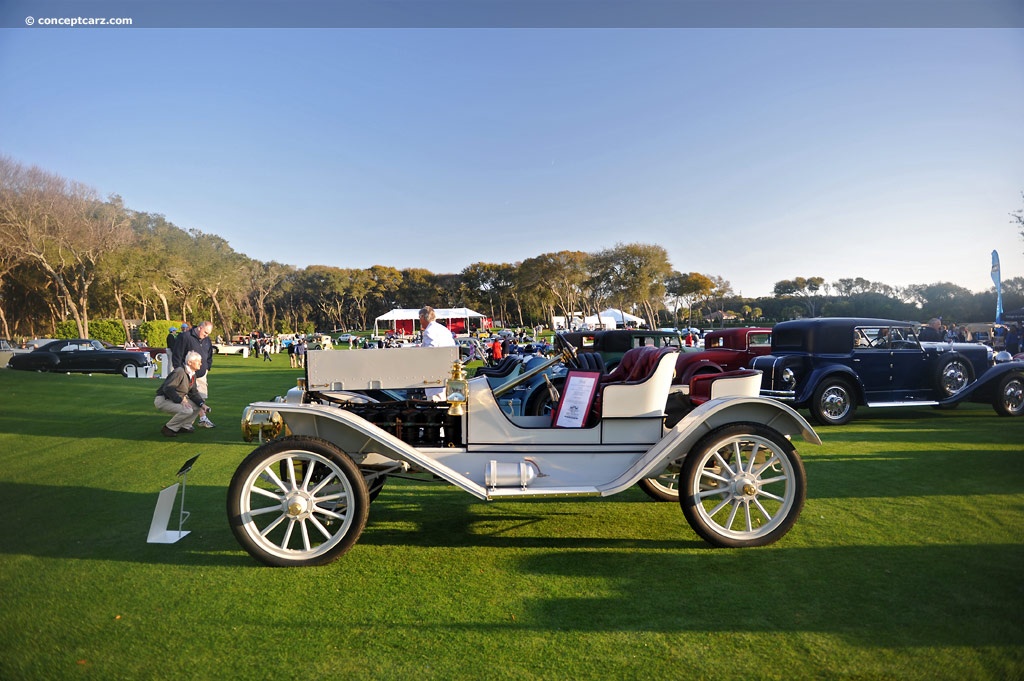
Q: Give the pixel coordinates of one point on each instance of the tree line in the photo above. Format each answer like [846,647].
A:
[67,254]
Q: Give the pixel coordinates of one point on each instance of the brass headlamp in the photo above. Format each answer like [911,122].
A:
[261,423]
[457,390]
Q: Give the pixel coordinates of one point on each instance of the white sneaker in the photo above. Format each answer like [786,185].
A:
[206,423]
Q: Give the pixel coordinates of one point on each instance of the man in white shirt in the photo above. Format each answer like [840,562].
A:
[435,335]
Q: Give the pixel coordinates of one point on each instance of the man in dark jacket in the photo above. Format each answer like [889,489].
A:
[197,339]
[932,333]
[178,395]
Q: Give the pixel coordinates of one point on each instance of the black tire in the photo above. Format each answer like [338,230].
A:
[834,402]
[953,375]
[290,521]
[374,488]
[743,484]
[664,487]
[539,403]
[1009,398]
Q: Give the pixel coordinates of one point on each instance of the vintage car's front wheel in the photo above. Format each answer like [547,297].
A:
[297,501]
[664,487]
[1009,399]
[834,402]
[743,484]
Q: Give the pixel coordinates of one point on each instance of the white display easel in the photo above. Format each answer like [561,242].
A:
[158,531]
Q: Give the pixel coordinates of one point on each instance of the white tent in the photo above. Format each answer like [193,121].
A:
[443,314]
[622,318]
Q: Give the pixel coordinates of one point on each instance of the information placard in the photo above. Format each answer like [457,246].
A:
[577,398]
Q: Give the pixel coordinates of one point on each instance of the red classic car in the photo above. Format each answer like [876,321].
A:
[724,350]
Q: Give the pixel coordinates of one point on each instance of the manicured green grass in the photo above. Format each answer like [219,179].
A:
[906,563]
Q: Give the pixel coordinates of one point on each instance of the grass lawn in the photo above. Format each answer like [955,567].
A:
[906,564]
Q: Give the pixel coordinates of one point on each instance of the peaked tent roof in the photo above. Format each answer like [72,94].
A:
[441,312]
[414,313]
[621,317]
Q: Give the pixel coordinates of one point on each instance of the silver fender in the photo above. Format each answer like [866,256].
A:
[678,441]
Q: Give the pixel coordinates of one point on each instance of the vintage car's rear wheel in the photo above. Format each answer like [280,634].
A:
[834,402]
[954,375]
[664,487]
[743,484]
[310,514]
[1009,399]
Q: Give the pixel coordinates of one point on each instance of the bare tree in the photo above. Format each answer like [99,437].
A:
[807,289]
[264,277]
[62,227]
[689,289]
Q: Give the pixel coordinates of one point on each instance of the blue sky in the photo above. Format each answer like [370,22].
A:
[751,154]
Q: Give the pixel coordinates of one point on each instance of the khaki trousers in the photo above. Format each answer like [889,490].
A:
[185,414]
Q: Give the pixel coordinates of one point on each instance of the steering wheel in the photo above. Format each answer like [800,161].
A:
[568,351]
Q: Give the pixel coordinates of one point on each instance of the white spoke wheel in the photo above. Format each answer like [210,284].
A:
[297,501]
[664,487]
[742,485]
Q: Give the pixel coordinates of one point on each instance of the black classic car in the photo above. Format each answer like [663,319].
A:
[80,355]
[833,365]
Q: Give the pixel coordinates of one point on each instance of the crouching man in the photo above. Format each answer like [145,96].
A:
[178,395]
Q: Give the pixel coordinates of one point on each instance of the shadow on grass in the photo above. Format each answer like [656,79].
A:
[97,524]
[873,595]
[445,518]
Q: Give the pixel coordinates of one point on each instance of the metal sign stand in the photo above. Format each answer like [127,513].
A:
[158,532]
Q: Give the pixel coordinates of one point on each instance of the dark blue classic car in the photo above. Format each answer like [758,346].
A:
[80,355]
[833,365]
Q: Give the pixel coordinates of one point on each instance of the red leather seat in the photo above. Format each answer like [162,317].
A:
[636,366]
[700,385]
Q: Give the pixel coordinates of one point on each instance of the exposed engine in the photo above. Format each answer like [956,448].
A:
[417,422]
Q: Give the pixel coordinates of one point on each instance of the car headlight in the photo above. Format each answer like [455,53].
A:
[787,379]
[261,423]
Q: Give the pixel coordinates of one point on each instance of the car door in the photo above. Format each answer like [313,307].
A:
[872,361]
[911,380]
[68,356]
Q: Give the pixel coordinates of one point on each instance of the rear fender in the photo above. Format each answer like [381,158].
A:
[709,416]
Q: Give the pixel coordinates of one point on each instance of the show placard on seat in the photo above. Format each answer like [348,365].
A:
[577,398]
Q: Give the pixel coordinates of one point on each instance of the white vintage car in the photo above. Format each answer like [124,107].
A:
[230,349]
[303,496]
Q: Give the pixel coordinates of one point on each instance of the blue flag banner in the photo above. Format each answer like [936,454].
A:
[999,287]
